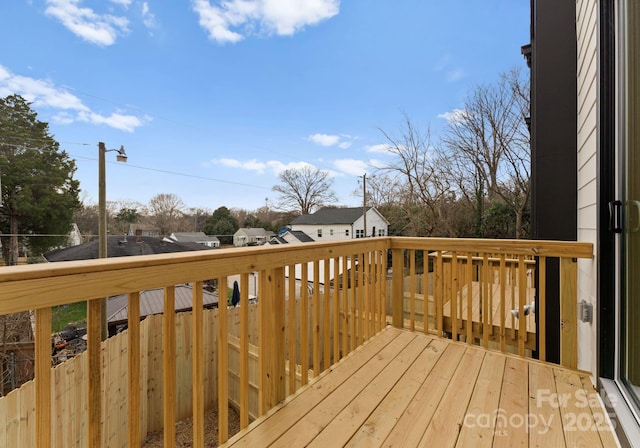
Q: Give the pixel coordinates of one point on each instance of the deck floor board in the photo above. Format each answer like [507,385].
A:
[406,388]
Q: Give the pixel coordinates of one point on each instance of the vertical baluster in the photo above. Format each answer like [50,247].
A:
[292,328]
[316,318]
[133,335]
[503,298]
[366,295]
[412,290]
[223,362]
[244,350]
[469,280]
[382,292]
[542,308]
[454,296]
[197,365]
[353,299]
[487,313]
[345,306]
[169,366]
[336,310]
[43,376]
[438,293]
[304,323]
[522,301]
[326,315]
[360,292]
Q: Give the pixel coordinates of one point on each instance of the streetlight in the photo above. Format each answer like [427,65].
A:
[102,216]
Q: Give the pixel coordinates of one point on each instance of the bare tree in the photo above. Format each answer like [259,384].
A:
[416,177]
[166,212]
[304,189]
[487,145]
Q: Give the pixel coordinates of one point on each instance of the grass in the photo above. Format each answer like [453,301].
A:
[66,314]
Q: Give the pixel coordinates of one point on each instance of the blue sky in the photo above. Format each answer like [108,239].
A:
[212,99]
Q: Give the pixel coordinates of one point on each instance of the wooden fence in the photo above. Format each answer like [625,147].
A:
[17,409]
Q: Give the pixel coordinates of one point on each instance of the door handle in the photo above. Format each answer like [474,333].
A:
[615,216]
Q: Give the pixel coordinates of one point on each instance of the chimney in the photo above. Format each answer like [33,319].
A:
[138,235]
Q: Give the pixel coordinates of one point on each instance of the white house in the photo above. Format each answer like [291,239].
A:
[336,224]
[195,237]
[252,236]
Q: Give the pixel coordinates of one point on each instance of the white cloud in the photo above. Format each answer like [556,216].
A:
[381,148]
[351,167]
[43,93]
[233,20]
[250,165]
[125,3]
[127,123]
[63,118]
[343,141]
[148,18]
[259,167]
[455,75]
[324,139]
[279,167]
[454,116]
[99,29]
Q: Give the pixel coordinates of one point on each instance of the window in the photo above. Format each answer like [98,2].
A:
[359,233]
[346,232]
[330,232]
[381,232]
[319,233]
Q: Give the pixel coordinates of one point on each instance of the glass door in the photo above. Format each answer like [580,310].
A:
[629,187]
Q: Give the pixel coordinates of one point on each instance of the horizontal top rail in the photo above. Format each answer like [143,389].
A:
[44,285]
[50,284]
[571,249]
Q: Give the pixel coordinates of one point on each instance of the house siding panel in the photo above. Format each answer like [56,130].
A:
[587,13]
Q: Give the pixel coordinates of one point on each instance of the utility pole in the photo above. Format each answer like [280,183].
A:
[102,218]
[364,203]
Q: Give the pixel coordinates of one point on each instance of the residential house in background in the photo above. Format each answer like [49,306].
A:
[122,246]
[252,236]
[292,237]
[335,224]
[585,133]
[194,237]
[143,230]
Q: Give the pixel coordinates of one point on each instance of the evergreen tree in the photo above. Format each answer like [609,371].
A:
[222,224]
[38,193]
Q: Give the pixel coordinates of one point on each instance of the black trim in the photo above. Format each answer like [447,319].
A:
[606,191]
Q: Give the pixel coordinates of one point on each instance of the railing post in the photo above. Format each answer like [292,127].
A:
[43,377]
[569,312]
[397,293]
[94,377]
[272,339]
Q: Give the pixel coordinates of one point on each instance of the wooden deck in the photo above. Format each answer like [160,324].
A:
[406,388]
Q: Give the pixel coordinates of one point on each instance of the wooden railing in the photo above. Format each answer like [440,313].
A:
[333,303]
[486,291]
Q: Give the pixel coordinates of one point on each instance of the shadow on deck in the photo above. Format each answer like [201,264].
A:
[405,388]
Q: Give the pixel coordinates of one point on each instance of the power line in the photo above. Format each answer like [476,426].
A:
[179,174]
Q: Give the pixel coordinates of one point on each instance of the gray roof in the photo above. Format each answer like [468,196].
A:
[193,237]
[331,216]
[256,231]
[298,234]
[301,236]
[120,246]
[152,302]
